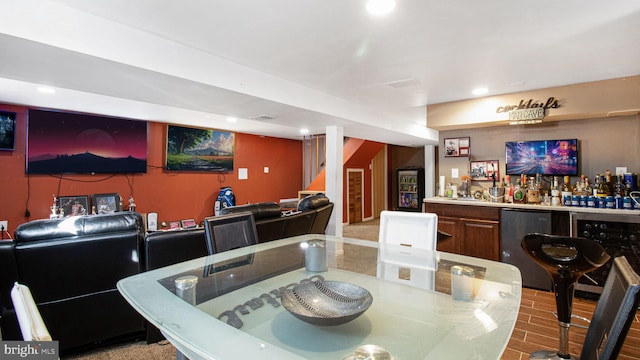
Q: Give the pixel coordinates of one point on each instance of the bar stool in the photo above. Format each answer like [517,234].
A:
[566,259]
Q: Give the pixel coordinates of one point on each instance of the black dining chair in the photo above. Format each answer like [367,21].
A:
[614,313]
[565,259]
[227,232]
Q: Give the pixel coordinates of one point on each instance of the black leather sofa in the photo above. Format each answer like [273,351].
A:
[311,217]
[72,266]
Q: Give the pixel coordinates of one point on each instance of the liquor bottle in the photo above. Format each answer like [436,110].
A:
[508,191]
[603,189]
[533,193]
[609,183]
[588,190]
[555,193]
[620,188]
[519,196]
[566,190]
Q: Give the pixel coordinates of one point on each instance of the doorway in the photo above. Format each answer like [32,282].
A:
[355,188]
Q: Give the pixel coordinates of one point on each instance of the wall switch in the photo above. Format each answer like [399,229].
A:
[266,169]
[4,225]
[454,173]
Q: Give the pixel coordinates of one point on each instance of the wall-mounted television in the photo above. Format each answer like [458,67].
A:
[544,157]
[61,142]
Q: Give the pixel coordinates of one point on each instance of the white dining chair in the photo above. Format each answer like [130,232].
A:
[400,231]
[31,324]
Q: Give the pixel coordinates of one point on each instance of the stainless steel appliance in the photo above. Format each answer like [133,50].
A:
[619,234]
[515,224]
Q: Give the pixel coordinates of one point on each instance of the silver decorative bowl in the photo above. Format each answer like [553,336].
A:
[326,302]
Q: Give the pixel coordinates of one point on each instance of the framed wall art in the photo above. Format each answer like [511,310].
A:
[484,170]
[194,149]
[61,142]
[457,147]
[7,130]
[74,205]
[106,203]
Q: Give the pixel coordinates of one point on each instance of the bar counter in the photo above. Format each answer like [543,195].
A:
[573,209]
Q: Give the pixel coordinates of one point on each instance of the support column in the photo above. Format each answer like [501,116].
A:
[334,184]
[429,171]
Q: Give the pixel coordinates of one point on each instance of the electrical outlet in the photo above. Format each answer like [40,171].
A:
[4,225]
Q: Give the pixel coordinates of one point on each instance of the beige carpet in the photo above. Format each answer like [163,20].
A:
[366,230]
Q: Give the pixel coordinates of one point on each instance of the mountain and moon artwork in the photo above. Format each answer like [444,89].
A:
[63,142]
[195,149]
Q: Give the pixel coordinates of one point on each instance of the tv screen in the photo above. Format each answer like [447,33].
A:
[544,157]
[62,142]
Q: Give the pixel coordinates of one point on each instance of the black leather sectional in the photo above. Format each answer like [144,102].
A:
[72,266]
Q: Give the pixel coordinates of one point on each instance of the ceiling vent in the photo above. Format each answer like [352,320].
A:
[263,117]
[403,83]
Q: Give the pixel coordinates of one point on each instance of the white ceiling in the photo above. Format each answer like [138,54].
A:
[307,63]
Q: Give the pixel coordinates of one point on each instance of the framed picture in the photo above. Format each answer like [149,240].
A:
[188,223]
[174,225]
[61,142]
[194,149]
[7,130]
[74,205]
[485,170]
[457,147]
[106,203]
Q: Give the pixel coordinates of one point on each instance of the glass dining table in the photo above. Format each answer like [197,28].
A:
[234,311]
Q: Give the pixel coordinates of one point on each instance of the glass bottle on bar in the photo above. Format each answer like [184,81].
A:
[508,191]
[555,193]
[588,190]
[519,196]
[565,191]
[533,193]
[602,190]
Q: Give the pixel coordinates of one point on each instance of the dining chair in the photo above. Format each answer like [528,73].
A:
[614,313]
[31,324]
[408,229]
[227,232]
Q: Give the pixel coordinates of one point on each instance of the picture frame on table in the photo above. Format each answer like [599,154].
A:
[76,205]
[173,225]
[106,203]
[484,169]
[188,223]
[457,147]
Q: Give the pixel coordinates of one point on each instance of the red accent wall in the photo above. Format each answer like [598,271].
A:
[173,195]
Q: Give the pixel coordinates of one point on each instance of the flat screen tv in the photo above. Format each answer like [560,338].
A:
[63,142]
[544,157]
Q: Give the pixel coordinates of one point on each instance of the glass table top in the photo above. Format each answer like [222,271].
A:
[238,314]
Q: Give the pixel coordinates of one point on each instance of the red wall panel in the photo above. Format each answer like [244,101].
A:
[173,195]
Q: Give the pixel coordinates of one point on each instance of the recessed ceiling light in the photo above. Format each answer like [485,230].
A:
[380,7]
[46,89]
[304,131]
[480,91]
[232,119]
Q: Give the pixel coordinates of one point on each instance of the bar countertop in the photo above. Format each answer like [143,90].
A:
[574,209]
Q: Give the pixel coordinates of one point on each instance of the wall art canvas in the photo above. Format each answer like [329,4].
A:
[195,149]
[7,126]
[62,142]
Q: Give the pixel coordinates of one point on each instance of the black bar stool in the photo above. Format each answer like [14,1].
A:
[566,259]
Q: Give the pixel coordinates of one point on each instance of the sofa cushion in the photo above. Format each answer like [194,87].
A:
[262,210]
[313,202]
